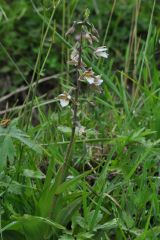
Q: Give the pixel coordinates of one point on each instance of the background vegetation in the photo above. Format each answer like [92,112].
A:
[112,191]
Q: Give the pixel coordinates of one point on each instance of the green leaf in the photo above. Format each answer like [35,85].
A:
[83,236]
[153,233]
[66,237]
[64,129]
[7,151]
[75,180]
[113,224]
[33,174]
[65,215]
[47,197]
[14,133]
[33,227]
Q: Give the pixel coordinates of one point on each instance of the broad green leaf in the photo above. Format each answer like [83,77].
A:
[7,151]
[65,214]
[33,227]
[47,197]
[14,133]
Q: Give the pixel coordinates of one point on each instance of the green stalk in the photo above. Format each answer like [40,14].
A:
[63,171]
[75,109]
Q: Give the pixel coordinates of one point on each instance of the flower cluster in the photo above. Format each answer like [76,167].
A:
[90,35]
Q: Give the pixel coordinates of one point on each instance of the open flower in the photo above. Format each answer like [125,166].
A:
[89,76]
[96,80]
[64,99]
[101,52]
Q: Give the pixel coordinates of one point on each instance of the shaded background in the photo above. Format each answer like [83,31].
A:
[21,29]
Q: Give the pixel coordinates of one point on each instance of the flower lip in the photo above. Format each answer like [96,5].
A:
[64,99]
[88,75]
[90,80]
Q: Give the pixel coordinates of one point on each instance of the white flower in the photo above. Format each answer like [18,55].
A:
[64,99]
[89,76]
[97,80]
[90,80]
[101,52]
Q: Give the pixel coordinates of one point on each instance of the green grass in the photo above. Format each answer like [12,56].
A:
[112,188]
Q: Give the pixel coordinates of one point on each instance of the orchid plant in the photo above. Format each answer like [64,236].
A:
[85,35]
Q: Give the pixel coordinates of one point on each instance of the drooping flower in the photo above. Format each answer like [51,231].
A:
[88,75]
[74,59]
[94,38]
[88,37]
[75,55]
[64,99]
[94,31]
[101,52]
[72,29]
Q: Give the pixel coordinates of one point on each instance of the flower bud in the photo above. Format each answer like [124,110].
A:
[71,30]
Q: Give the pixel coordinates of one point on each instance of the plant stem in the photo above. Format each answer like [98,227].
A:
[63,171]
[75,109]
